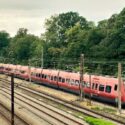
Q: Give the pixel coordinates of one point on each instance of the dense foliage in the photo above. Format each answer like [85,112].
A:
[68,35]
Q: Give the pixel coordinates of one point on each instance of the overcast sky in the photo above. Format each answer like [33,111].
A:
[31,14]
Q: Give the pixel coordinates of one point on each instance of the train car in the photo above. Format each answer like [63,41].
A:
[104,88]
[99,87]
[1,68]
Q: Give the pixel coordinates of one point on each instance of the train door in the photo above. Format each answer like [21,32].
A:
[62,80]
[74,82]
[54,77]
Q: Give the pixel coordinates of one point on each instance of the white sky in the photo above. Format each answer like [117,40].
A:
[31,14]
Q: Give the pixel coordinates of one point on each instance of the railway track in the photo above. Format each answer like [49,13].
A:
[44,111]
[3,119]
[73,106]
[7,116]
[4,116]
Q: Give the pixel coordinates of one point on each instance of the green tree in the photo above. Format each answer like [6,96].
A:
[24,47]
[57,25]
[4,42]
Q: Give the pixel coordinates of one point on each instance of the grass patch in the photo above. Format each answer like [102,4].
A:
[109,110]
[96,121]
[105,109]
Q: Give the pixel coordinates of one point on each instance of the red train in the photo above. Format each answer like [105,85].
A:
[103,88]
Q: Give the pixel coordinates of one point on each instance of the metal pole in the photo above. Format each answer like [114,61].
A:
[90,89]
[12,99]
[42,59]
[119,87]
[81,76]
[29,72]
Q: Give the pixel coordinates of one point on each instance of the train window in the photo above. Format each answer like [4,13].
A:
[101,87]
[108,89]
[39,75]
[83,83]
[22,72]
[9,69]
[45,76]
[93,84]
[31,73]
[60,79]
[72,81]
[48,77]
[96,86]
[63,80]
[88,85]
[42,75]
[115,87]
[77,82]
[55,78]
[67,80]
[51,77]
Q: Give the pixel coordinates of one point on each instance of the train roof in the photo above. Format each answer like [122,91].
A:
[54,72]
[18,66]
[64,74]
[38,70]
[96,78]
[104,80]
[24,67]
[46,71]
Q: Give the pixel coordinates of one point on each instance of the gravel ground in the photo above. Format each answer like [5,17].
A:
[3,121]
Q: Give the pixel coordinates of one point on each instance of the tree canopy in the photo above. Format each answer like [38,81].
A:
[67,35]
